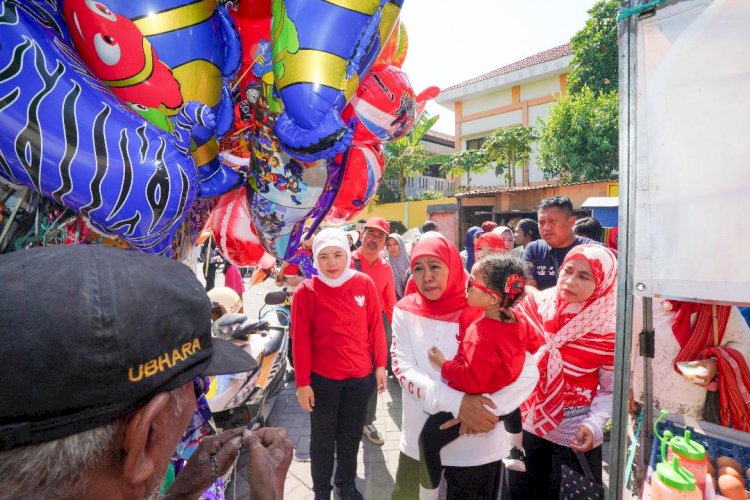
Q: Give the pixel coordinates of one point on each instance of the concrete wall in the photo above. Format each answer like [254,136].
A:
[411,213]
[446,223]
[523,104]
[483,127]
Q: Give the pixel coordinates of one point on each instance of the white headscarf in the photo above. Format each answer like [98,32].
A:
[336,238]
[501,229]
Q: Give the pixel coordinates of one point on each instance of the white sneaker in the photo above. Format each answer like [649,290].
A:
[371,433]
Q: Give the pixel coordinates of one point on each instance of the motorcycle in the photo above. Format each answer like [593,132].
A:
[246,399]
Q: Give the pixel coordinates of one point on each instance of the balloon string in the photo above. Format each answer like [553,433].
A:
[240,130]
[244,73]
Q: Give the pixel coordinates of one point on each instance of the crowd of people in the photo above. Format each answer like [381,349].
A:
[504,353]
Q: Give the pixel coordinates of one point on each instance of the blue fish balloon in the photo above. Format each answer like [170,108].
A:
[66,136]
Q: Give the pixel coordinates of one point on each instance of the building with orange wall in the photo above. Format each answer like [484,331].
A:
[516,94]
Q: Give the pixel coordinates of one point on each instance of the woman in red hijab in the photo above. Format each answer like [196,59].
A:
[433,316]
[566,412]
[489,243]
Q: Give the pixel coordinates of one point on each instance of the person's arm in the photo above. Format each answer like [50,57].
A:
[529,256]
[280,277]
[737,334]
[376,331]
[416,383]
[302,316]
[472,372]
[601,405]
[389,296]
[506,399]
[736,337]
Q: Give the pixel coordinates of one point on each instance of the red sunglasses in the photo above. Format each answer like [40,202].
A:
[473,284]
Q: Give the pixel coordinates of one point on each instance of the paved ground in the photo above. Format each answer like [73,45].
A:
[376,464]
[376,467]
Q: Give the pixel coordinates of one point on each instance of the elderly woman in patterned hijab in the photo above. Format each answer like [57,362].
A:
[566,413]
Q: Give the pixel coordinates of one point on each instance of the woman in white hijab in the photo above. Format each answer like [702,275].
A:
[339,357]
[506,234]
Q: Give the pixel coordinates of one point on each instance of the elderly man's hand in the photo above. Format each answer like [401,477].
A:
[269,455]
[197,476]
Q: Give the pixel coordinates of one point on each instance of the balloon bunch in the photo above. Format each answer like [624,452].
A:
[149,119]
[313,154]
[113,113]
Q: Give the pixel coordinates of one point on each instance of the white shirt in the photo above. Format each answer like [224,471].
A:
[424,393]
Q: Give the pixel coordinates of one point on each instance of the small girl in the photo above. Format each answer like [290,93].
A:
[339,356]
[490,356]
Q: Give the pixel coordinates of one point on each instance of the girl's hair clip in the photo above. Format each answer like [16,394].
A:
[514,285]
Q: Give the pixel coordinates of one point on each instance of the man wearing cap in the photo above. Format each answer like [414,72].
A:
[103,356]
[369,260]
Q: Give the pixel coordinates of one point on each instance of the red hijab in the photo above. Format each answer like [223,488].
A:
[492,240]
[452,305]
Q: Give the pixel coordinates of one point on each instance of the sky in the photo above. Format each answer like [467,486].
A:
[452,41]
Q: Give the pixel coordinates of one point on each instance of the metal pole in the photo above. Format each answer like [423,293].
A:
[647,345]
[623,347]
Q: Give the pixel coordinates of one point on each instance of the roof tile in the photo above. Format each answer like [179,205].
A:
[541,57]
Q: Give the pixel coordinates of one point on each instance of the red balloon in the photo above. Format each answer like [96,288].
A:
[388,52]
[253,21]
[385,106]
[233,230]
[362,175]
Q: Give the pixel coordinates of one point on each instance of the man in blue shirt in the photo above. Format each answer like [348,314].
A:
[556,221]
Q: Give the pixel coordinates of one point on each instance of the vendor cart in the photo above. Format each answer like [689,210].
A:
[684,178]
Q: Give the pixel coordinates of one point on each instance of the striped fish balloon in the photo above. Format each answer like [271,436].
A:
[67,137]
[321,49]
[162,54]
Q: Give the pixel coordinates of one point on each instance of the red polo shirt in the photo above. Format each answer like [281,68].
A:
[382,275]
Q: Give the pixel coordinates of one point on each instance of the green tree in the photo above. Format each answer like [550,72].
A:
[594,48]
[509,148]
[428,195]
[407,157]
[579,138]
[471,161]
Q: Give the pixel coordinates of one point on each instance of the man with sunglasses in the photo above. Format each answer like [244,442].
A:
[105,354]
[369,260]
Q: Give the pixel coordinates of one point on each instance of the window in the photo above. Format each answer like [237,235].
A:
[432,171]
[475,143]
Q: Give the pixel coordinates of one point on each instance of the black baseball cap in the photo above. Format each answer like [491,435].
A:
[90,333]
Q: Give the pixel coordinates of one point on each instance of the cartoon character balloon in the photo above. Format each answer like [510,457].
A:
[320,51]
[161,54]
[286,191]
[67,137]
[116,51]
[362,176]
[386,107]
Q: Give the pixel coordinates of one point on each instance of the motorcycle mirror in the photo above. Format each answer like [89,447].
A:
[275,298]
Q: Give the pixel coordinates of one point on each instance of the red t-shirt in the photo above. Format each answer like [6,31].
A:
[490,356]
[337,332]
[382,275]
